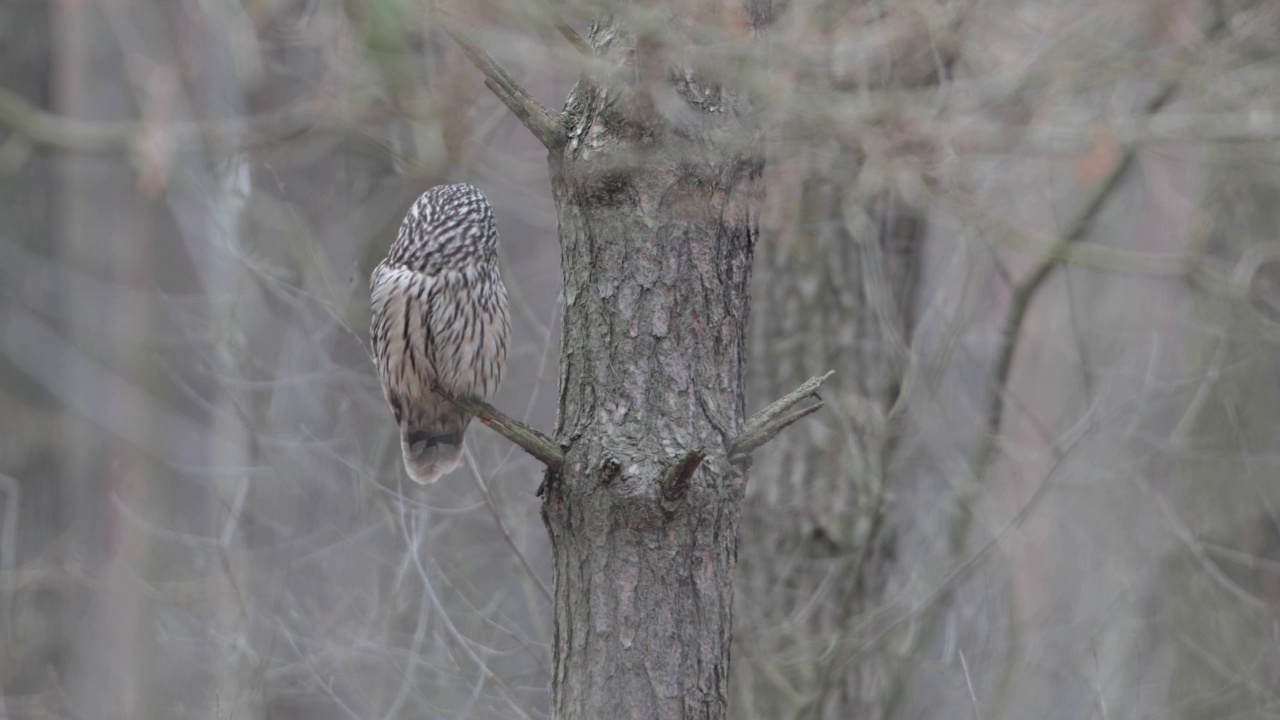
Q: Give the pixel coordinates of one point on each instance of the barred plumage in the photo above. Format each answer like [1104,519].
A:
[439,316]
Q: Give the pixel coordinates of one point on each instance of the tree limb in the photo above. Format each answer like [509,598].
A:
[766,424]
[786,402]
[535,443]
[543,123]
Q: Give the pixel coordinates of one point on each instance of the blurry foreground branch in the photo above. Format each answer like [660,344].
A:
[553,18]
[96,136]
[545,124]
[46,128]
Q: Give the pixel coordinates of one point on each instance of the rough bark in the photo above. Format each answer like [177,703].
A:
[658,217]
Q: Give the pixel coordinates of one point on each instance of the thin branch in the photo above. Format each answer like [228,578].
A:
[766,424]
[1026,289]
[973,697]
[42,127]
[474,467]
[550,15]
[808,388]
[748,441]
[841,654]
[12,492]
[414,542]
[46,128]
[535,443]
[543,123]
[1084,254]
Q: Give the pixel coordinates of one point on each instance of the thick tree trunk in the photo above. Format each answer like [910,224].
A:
[657,226]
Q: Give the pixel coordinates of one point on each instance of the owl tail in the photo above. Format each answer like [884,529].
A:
[427,456]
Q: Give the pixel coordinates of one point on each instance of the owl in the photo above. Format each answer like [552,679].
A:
[439,317]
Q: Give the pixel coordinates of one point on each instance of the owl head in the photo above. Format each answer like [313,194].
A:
[449,227]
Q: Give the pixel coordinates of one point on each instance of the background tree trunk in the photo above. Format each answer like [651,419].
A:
[836,278]
[832,295]
[657,225]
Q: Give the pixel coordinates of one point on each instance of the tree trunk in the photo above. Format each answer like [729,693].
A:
[658,218]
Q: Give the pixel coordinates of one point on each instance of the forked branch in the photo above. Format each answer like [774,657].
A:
[1026,289]
[766,424]
[535,443]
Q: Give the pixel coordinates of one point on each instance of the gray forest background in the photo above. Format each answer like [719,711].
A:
[1038,242]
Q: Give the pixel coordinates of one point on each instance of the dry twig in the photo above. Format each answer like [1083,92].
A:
[766,424]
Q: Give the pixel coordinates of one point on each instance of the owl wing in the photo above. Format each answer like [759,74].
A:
[470,326]
[401,333]
[411,331]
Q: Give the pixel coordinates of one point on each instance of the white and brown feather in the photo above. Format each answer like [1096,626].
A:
[439,316]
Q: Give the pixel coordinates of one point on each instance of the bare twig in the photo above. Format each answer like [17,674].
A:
[749,441]
[543,123]
[1180,530]
[840,652]
[553,17]
[1026,289]
[42,127]
[535,443]
[786,402]
[766,424]
[46,128]
[414,539]
[968,681]
[474,467]
[676,481]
